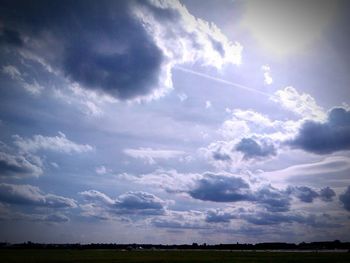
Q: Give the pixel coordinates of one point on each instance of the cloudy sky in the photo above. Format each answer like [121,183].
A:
[174,122]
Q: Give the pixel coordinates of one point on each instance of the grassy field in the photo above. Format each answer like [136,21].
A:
[104,256]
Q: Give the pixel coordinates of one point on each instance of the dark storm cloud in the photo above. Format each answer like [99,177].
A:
[327,194]
[10,37]
[139,203]
[32,196]
[345,199]
[325,138]
[252,149]
[99,44]
[303,193]
[142,202]
[227,188]
[272,199]
[220,188]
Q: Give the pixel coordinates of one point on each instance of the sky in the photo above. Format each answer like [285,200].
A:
[174,121]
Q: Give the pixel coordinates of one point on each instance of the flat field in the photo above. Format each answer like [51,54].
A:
[115,256]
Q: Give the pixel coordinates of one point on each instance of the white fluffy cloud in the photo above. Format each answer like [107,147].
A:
[186,38]
[245,126]
[131,203]
[302,104]
[58,143]
[208,104]
[268,80]
[150,155]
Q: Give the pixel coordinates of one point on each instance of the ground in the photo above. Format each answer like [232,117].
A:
[104,256]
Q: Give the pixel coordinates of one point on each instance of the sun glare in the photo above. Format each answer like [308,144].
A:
[286,27]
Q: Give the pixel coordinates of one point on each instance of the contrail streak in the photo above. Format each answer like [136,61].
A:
[232,84]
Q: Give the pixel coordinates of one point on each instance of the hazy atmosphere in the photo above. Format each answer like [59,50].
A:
[174,121]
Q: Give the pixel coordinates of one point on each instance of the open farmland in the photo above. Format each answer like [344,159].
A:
[104,256]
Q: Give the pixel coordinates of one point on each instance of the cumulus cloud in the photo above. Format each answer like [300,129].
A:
[20,165]
[137,47]
[171,181]
[308,195]
[150,155]
[94,195]
[182,97]
[238,152]
[208,104]
[302,104]
[22,161]
[147,203]
[231,188]
[248,136]
[273,199]
[58,143]
[102,170]
[221,156]
[325,137]
[32,196]
[218,216]
[345,198]
[255,149]
[267,74]
[326,194]
[185,38]
[220,188]
[246,123]
[130,203]
[303,193]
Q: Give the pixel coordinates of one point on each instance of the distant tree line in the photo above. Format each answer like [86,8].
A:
[328,245]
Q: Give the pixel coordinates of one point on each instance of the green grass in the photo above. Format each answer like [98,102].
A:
[104,256]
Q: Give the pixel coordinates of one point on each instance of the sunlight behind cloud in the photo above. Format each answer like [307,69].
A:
[286,27]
